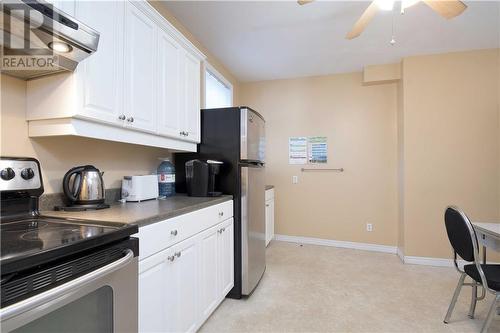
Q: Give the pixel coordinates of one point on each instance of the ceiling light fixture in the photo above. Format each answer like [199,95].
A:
[60,47]
[385,4]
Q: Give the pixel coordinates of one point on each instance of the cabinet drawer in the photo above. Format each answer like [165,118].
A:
[270,194]
[161,235]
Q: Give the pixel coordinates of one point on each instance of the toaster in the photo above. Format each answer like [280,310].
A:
[140,188]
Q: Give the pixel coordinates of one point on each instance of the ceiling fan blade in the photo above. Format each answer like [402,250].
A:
[363,21]
[447,9]
[304,2]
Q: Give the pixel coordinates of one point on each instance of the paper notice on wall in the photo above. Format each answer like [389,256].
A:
[297,150]
[318,149]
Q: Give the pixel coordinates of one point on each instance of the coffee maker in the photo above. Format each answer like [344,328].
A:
[200,178]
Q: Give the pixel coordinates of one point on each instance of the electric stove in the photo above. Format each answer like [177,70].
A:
[32,243]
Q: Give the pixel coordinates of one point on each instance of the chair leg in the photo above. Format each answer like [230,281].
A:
[491,313]
[454,299]
[473,302]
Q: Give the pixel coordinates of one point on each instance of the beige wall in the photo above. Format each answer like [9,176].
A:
[451,144]
[360,123]
[409,149]
[57,155]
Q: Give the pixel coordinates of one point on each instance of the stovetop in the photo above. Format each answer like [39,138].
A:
[29,240]
[32,235]
[33,241]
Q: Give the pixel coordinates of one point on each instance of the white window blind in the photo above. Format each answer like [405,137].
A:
[218,92]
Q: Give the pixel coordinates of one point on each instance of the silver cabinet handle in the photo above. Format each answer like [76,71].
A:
[171,258]
[122,117]
[219,231]
[178,254]
[221,214]
[267,205]
[66,289]
[187,133]
[130,119]
[181,133]
[223,229]
[173,232]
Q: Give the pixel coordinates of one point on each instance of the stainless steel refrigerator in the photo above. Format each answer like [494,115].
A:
[236,136]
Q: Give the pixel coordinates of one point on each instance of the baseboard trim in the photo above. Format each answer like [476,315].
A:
[400,254]
[429,261]
[409,260]
[336,243]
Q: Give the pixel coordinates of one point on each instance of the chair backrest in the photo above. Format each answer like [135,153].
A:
[460,233]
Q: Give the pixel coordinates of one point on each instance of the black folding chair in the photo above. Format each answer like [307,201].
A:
[464,242]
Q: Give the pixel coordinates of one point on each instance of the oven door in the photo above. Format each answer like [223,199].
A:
[104,300]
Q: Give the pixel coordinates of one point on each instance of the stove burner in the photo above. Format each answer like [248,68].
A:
[23,226]
[38,234]
[52,232]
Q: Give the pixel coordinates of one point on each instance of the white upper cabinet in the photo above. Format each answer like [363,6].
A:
[140,69]
[100,76]
[141,86]
[169,62]
[191,104]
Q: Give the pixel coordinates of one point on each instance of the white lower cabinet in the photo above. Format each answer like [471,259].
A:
[182,293]
[181,285]
[226,258]
[210,266]
[269,215]
[155,275]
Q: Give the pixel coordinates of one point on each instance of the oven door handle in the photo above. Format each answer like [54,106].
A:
[54,293]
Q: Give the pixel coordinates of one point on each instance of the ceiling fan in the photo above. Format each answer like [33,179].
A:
[446,8]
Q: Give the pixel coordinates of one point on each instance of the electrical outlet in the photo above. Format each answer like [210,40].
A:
[295,179]
[369,227]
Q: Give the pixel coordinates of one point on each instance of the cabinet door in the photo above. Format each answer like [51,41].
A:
[226,258]
[169,66]
[270,208]
[157,292]
[100,76]
[140,70]
[191,96]
[268,221]
[209,274]
[184,318]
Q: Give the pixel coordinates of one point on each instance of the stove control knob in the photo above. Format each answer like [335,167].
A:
[7,174]
[27,173]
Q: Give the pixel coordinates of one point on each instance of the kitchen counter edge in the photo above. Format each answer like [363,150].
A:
[142,213]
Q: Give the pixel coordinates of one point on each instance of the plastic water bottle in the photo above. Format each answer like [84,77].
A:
[166,178]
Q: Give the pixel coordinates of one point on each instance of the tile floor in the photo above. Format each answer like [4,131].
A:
[325,289]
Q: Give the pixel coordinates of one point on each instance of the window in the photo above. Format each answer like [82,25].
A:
[218,90]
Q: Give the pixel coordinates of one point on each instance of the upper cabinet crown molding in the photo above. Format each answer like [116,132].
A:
[142,86]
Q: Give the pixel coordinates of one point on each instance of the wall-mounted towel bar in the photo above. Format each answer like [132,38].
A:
[314,169]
